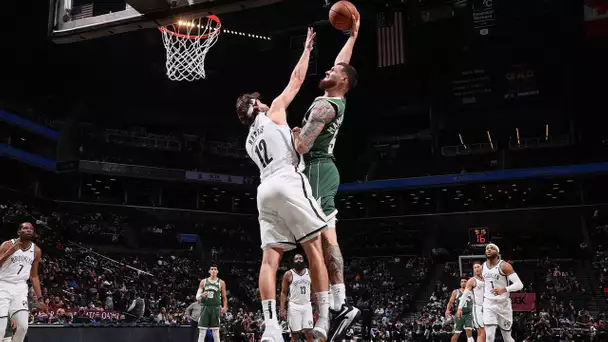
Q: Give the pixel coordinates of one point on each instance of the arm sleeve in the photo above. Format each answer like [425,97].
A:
[516,283]
[199,294]
[463,299]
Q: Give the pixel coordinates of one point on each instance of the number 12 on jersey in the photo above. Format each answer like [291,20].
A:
[261,150]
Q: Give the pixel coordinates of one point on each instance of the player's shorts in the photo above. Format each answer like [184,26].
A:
[13,298]
[464,322]
[288,213]
[498,312]
[299,317]
[210,317]
[324,180]
[478,316]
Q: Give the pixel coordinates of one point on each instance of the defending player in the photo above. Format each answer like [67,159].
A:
[19,259]
[296,285]
[497,309]
[212,295]
[288,214]
[465,308]
[476,285]
[316,140]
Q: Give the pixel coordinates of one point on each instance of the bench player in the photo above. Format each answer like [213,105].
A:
[497,309]
[464,316]
[19,262]
[476,285]
[288,214]
[316,140]
[212,295]
[296,285]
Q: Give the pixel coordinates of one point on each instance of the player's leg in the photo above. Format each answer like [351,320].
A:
[203,324]
[478,323]
[458,325]
[8,335]
[319,278]
[215,323]
[21,318]
[490,320]
[505,322]
[267,284]
[307,322]
[468,326]
[294,319]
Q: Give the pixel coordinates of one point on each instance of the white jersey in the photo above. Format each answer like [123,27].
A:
[16,269]
[299,288]
[478,291]
[494,279]
[271,147]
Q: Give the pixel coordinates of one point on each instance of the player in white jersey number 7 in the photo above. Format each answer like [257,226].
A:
[18,262]
[288,214]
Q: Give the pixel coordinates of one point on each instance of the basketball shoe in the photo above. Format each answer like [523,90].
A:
[320,330]
[272,334]
[341,321]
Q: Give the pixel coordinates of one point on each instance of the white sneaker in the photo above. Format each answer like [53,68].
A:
[272,334]
[320,330]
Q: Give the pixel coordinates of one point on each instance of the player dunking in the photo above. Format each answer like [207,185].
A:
[212,295]
[296,285]
[19,262]
[464,319]
[316,140]
[288,214]
[475,284]
[497,309]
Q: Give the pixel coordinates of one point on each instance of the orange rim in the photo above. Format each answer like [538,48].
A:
[201,36]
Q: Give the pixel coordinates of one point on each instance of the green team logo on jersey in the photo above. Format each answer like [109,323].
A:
[467,305]
[323,147]
[214,293]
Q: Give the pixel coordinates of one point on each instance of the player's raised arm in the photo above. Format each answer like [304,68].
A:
[322,113]
[284,292]
[277,112]
[347,50]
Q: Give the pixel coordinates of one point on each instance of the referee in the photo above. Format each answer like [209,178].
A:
[194,312]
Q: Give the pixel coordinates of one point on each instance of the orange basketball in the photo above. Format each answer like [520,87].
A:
[341,13]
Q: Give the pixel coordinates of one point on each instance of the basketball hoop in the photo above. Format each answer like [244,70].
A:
[187,43]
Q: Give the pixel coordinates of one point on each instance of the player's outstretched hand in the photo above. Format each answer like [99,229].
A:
[354,31]
[310,39]
[224,309]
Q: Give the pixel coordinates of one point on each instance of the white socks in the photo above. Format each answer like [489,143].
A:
[339,293]
[269,307]
[323,304]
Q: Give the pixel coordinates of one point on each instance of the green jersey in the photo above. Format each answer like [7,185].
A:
[323,147]
[214,293]
[468,306]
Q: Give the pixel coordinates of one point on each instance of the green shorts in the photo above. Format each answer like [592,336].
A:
[210,317]
[324,180]
[464,322]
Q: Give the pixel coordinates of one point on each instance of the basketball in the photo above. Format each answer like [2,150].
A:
[341,13]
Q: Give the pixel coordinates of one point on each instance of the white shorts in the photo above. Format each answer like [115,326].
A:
[498,312]
[288,213]
[13,298]
[299,317]
[478,316]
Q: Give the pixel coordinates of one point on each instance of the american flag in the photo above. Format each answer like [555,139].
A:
[390,40]
[84,11]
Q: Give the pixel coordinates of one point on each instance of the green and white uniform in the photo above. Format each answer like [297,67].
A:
[211,304]
[321,170]
[466,320]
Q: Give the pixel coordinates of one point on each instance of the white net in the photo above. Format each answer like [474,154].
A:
[187,44]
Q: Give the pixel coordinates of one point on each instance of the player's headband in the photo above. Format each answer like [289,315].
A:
[493,245]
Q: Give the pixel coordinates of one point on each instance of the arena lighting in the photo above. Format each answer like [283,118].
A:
[249,35]
[517,131]
[462,141]
[490,139]
[547,132]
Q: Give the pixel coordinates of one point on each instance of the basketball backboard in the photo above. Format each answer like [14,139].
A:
[77,20]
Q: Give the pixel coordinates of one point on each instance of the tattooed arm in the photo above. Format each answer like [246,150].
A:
[322,113]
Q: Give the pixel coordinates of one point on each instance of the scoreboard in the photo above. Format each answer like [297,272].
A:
[479,236]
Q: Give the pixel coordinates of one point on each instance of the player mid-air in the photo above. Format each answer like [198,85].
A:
[19,262]
[316,141]
[212,295]
[296,288]
[497,309]
[288,214]
[464,317]
[476,285]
